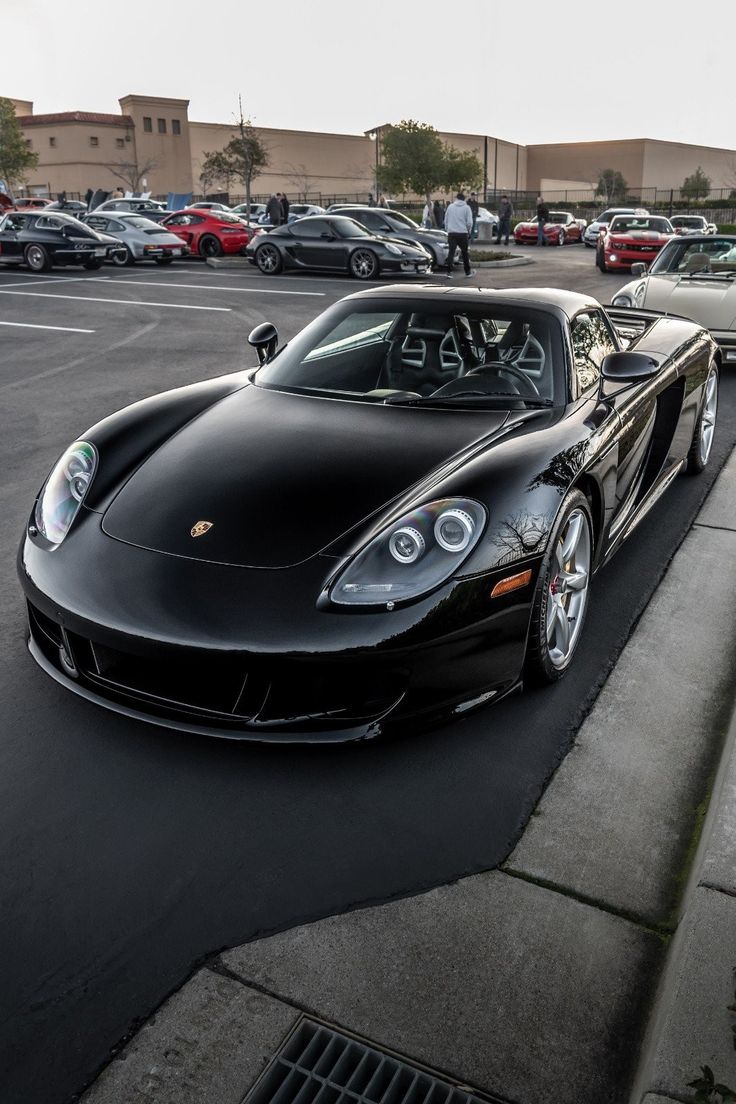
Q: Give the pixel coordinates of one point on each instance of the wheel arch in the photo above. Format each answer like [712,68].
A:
[588,484]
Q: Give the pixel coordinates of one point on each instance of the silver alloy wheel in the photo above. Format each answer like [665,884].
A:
[708,419]
[562,237]
[363,264]
[268,258]
[36,258]
[120,259]
[567,595]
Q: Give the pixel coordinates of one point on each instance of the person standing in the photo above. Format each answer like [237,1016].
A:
[273,210]
[472,202]
[458,224]
[505,214]
[382,201]
[438,214]
[428,215]
[542,219]
[284,207]
[371,200]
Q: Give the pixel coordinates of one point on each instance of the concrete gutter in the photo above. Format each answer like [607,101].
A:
[538,982]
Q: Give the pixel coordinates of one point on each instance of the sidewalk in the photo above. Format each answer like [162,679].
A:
[599,956]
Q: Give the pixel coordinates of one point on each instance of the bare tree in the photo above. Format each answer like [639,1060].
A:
[300,177]
[132,173]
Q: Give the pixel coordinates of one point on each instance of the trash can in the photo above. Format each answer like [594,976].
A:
[485,232]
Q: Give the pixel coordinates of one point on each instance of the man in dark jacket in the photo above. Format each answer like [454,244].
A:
[542,218]
[472,202]
[284,207]
[505,214]
[273,210]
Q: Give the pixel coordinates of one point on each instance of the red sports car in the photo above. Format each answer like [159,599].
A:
[631,238]
[561,228]
[209,233]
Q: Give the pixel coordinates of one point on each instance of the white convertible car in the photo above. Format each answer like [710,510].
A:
[694,276]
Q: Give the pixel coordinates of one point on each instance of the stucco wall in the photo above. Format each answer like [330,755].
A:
[666,164]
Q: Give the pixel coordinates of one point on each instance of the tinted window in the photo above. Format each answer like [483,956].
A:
[311,228]
[401,222]
[714,255]
[369,219]
[97,223]
[591,342]
[348,228]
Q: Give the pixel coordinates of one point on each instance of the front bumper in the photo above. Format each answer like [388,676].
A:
[246,654]
[405,264]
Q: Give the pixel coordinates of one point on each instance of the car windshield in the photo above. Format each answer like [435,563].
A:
[624,224]
[401,222]
[682,255]
[225,216]
[140,222]
[425,353]
[558,216]
[688,220]
[348,228]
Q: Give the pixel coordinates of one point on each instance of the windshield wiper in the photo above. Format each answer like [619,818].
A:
[707,275]
[442,400]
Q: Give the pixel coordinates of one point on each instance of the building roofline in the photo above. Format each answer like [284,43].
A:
[96,117]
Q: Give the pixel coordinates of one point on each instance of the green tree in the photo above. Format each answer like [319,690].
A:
[243,158]
[415,159]
[612,185]
[696,186]
[15,156]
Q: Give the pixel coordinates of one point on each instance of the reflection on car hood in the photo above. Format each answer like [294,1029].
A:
[282,476]
[712,302]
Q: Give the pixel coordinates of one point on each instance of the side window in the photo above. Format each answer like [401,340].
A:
[591,343]
[310,229]
[115,227]
[370,221]
[97,223]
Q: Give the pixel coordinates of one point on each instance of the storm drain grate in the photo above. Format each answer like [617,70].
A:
[319,1065]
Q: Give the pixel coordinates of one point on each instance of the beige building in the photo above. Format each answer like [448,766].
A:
[152,145]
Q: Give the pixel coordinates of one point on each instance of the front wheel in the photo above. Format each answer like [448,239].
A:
[561,595]
[210,246]
[268,259]
[37,258]
[562,238]
[122,259]
[702,443]
[600,260]
[363,264]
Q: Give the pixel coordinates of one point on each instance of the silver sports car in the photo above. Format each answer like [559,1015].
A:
[694,276]
[143,239]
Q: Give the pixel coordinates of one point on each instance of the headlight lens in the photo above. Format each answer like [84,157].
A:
[64,491]
[622,301]
[392,248]
[412,556]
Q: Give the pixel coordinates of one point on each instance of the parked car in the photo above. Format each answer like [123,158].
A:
[593,229]
[692,224]
[26,203]
[337,244]
[631,238]
[694,276]
[144,239]
[149,208]
[252,213]
[73,207]
[392,224]
[209,233]
[561,228]
[209,205]
[42,239]
[397,515]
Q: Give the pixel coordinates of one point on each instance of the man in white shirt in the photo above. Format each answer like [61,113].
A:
[458,224]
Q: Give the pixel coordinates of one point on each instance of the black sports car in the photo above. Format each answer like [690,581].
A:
[335,243]
[41,240]
[397,513]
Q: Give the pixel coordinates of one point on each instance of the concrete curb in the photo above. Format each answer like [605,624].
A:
[510,263]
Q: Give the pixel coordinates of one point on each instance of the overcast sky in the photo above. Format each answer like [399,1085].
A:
[529,72]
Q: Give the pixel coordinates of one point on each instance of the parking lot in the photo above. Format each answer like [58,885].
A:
[129,852]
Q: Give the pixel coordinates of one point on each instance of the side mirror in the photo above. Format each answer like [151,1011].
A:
[265,341]
[628,367]
[638,269]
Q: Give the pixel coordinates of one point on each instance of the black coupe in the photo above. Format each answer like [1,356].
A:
[398,513]
[41,240]
[336,244]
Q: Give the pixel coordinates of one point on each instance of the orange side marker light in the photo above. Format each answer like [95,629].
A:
[511,582]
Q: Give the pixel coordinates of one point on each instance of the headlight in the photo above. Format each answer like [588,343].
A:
[392,248]
[622,301]
[412,556]
[64,491]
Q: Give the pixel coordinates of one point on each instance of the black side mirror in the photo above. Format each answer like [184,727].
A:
[638,269]
[629,367]
[265,341]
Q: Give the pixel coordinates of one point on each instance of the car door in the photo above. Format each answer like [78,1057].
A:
[635,406]
[11,243]
[317,245]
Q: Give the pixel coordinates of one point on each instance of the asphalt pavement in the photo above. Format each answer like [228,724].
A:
[129,854]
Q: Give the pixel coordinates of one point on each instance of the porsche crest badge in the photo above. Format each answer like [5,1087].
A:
[200,528]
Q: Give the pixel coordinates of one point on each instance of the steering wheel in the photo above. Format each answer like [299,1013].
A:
[528,386]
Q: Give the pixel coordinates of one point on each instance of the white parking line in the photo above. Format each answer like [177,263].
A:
[123,302]
[209,287]
[48,280]
[33,326]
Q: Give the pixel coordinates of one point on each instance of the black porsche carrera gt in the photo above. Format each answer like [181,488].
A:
[41,239]
[397,513]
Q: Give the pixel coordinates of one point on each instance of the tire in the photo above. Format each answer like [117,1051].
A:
[553,634]
[364,264]
[164,260]
[433,255]
[37,258]
[702,442]
[269,259]
[93,265]
[210,246]
[120,261]
[600,260]
[562,238]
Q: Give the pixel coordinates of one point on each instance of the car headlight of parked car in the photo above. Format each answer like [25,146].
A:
[64,491]
[412,556]
[393,248]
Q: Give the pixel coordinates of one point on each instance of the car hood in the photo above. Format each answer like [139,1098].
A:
[711,302]
[280,477]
